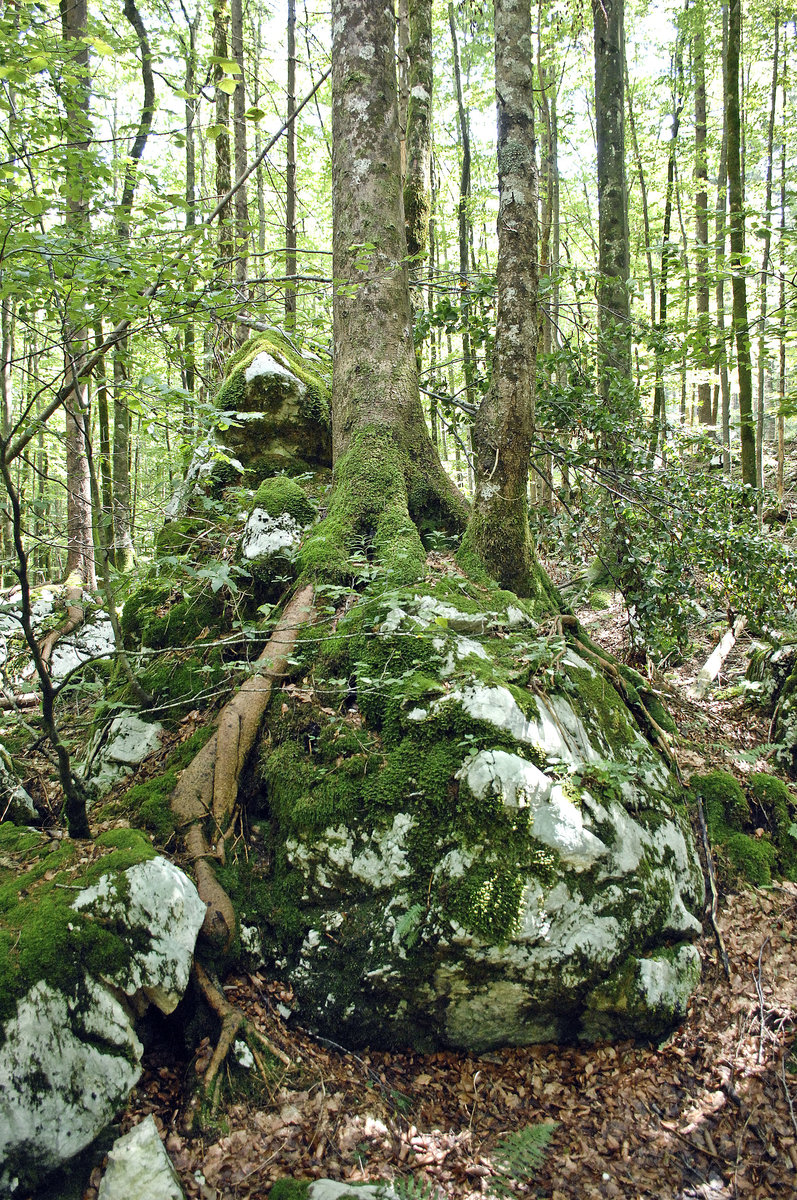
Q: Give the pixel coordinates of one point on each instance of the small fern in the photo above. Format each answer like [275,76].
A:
[517,1157]
[416,1187]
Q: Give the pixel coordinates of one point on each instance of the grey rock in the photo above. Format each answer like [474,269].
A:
[139,1167]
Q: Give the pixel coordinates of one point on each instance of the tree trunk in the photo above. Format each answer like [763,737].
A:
[226,237]
[463,213]
[499,529]
[741,326]
[703,355]
[290,175]
[721,237]
[782,290]
[614,316]
[417,189]
[387,473]
[767,219]
[239,143]
[75,91]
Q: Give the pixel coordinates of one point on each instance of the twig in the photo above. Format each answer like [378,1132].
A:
[761,1011]
[712,884]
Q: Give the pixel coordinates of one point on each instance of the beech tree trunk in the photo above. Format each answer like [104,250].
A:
[614,316]
[387,471]
[226,238]
[741,326]
[290,174]
[499,529]
[703,332]
[417,186]
[75,91]
[240,152]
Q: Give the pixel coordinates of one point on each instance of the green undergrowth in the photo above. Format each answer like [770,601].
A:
[753,828]
[41,936]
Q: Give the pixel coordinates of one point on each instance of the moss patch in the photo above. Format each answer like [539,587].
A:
[41,935]
[756,834]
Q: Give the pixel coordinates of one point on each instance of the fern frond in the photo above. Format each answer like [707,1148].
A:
[416,1187]
[517,1157]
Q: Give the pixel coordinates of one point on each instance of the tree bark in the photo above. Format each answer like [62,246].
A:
[417,188]
[290,175]
[75,90]
[741,327]
[614,316]
[704,355]
[463,216]
[226,237]
[386,470]
[240,152]
[499,529]
[765,260]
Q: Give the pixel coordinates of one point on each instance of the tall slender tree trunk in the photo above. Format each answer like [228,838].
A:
[703,351]
[720,225]
[741,326]
[76,89]
[765,260]
[6,422]
[226,236]
[190,110]
[417,186]
[782,290]
[463,213]
[290,174]
[499,529]
[241,203]
[614,314]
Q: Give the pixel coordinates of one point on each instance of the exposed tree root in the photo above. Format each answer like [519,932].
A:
[207,791]
[233,1024]
[712,890]
[569,626]
[75,616]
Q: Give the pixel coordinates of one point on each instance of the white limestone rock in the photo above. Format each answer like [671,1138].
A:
[155,896]
[139,1167]
[130,740]
[15,803]
[265,536]
[68,1065]
[92,640]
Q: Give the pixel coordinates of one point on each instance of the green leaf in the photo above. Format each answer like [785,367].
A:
[227,85]
[34,208]
[214,131]
[254,113]
[228,65]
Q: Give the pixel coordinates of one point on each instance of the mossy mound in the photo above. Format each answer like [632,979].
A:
[278,406]
[280,513]
[772,681]
[466,831]
[754,831]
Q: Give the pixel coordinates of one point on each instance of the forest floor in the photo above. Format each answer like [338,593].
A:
[710,1113]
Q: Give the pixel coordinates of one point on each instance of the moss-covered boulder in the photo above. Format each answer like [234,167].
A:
[89,937]
[772,681]
[469,840]
[276,409]
[280,513]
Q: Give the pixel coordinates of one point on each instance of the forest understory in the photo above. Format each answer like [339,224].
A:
[710,1113]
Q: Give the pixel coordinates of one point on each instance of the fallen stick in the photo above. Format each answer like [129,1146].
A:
[712,886]
[713,664]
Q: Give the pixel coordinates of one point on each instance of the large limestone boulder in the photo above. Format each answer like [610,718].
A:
[87,940]
[471,842]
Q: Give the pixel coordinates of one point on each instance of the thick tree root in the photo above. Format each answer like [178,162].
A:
[233,1025]
[570,628]
[75,616]
[712,890]
[207,790]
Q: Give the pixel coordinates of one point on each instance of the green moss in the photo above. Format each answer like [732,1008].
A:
[753,858]
[188,535]
[369,502]
[289,1189]
[280,495]
[724,801]
[41,935]
[777,804]
[315,405]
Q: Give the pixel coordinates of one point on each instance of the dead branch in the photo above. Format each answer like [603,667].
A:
[712,887]
[713,664]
